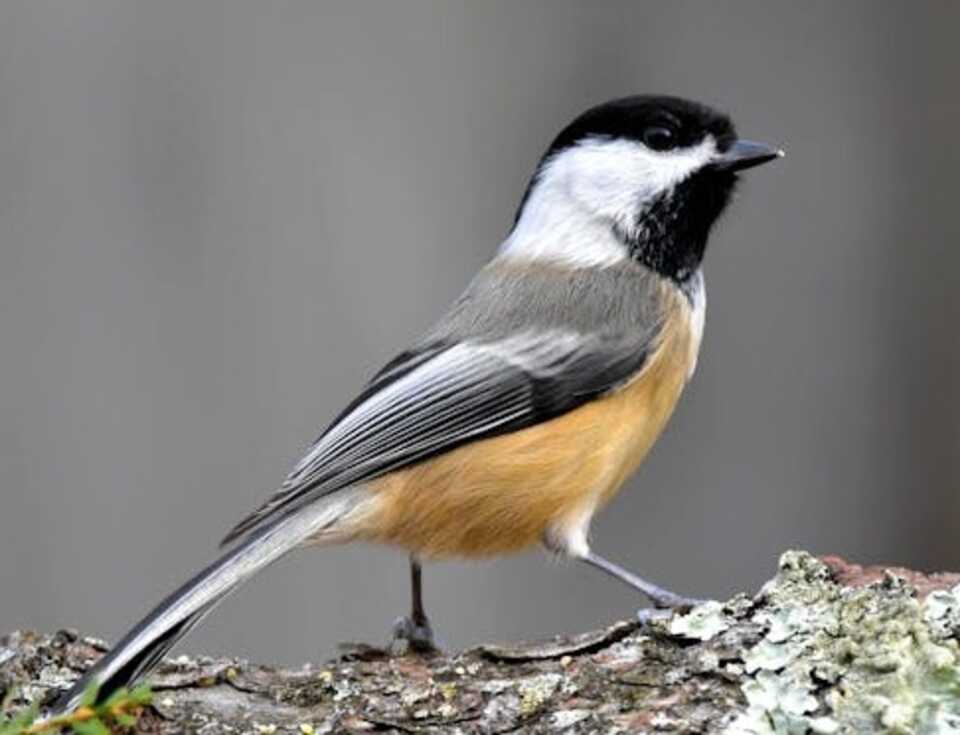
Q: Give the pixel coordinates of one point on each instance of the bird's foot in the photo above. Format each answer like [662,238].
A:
[666,600]
[649,615]
[665,605]
[412,637]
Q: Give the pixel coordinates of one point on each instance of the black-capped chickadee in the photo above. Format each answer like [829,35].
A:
[532,400]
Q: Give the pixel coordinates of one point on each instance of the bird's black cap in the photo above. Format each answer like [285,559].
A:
[634,118]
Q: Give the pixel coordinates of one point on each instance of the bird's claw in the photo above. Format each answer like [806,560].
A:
[410,636]
[665,606]
[648,615]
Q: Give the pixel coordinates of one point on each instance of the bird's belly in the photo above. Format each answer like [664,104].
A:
[503,494]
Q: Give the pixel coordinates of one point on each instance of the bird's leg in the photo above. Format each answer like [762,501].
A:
[660,597]
[413,632]
[417,614]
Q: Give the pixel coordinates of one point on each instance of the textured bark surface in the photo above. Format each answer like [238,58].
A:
[825,647]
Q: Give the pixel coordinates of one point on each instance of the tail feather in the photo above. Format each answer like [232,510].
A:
[145,645]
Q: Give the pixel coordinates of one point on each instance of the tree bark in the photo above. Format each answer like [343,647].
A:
[824,647]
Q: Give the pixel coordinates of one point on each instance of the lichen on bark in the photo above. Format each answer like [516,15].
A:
[823,647]
[837,658]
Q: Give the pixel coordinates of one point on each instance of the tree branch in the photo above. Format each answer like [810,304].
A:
[824,647]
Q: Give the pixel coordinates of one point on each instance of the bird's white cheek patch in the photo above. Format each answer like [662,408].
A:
[618,178]
[585,189]
[554,228]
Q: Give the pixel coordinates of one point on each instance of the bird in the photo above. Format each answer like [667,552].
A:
[532,400]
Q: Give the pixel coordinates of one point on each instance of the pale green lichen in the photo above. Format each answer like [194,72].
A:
[565,719]
[704,622]
[536,691]
[845,660]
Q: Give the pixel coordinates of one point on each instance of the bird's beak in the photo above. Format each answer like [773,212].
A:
[744,154]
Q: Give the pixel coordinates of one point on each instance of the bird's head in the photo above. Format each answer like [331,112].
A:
[654,172]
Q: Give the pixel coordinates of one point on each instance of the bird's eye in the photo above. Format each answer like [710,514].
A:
[658,138]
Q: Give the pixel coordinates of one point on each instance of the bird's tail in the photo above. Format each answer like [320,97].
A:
[143,647]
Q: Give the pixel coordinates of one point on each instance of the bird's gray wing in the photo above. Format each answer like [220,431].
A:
[443,395]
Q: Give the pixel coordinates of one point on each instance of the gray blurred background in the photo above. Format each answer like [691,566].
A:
[217,219]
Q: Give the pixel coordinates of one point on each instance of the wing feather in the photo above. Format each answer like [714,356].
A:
[430,401]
